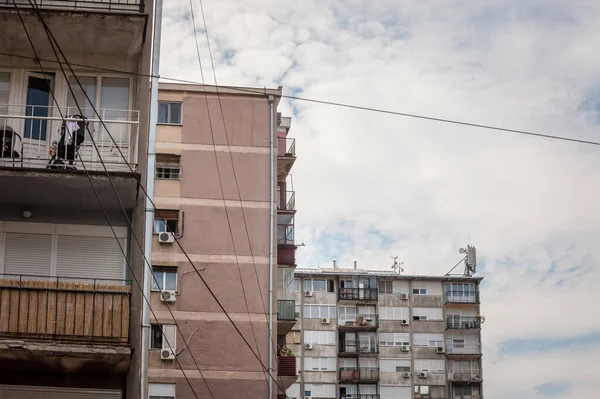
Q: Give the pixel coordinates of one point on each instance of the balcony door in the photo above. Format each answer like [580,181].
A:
[38,105]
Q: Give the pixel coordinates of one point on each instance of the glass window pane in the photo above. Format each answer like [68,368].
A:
[171,281]
[157,280]
[163,112]
[4,85]
[175,113]
[115,94]
[78,96]
[159,226]
[308,285]
[320,285]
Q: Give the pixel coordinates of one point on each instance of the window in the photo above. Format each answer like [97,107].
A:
[395,392]
[428,314]
[169,222]
[319,337]
[428,340]
[460,289]
[394,339]
[320,285]
[168,166]
[164,278]
[319,312]
[296,284]
[422,392]
[161,391]
[419,291]
[434,366]
[320,364]
[169,113]
[4,86]
[395,365]
[386,287]
[463,390]
[346,314]
[320,390]
[393,313]
[158,333]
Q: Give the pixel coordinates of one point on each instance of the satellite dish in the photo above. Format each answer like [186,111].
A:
[462,251]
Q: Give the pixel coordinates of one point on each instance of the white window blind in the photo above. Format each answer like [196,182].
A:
[430,287]
[395,392]
[90,257]
[319,312]
[393,313]
[428,340]
[428,314]
[395,365]
[293,391]
[28,254]
[346,313]
[320,390]
[320,364]
[434,366]
[394,339]
[319,337]
[161,390]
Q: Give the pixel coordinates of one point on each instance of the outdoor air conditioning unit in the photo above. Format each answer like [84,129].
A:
[406,375]
[440,349]
[476,378]
[403,296]
[307,397]
[405,348]
[405,322]
[308,346]
[166,238]
[308,293]
[325,321]
[423,374]
[167,354]
[168,296]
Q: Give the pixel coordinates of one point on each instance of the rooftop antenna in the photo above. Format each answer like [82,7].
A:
[470,260]
[397,266]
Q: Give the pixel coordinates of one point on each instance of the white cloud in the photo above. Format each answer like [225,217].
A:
[363,179]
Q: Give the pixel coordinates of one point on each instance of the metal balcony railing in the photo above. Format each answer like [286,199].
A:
[461,322]
[464,349]
[286,255]
[82,5]
[362,321]
[286,366]
[285,234]
[361,396]
[31,135]
[358,374]
[360,348]
[466,397]
[286,310]
[465,375]
[286,147]
[287,202]
[462,297]
[64,308]
[357,294]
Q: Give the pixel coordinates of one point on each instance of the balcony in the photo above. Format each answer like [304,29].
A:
[286,201]
[461,297]
[358,375]
[464,349]
[462,323]
[286,316]
[357,294]
[361,396]
[68,323]
[81,5]
[351,349]
[286,255]
[363,322]
[286,371]
[31,135]
[465,376]
[286,156]
[466,397]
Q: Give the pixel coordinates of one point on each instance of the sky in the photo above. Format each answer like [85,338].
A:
[370,186]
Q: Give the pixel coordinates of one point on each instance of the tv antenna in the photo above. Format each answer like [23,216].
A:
[397,266]
[470,260]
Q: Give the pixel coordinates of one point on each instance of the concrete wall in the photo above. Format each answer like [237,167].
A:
[427,326]
[320,376]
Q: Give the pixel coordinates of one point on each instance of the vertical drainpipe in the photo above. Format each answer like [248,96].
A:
[149,199]
[271,235]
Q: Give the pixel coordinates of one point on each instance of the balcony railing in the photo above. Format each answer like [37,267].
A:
[286,255]
[461,322]
[357,294]
[464,349]
[287,202]
[466,397]
[286,366]
[286,310]
[358,374]
[285,234]
[82,5]
[462,297]
[362,322]
[464,375]
[286,147]
[360,348]
[361,396]
[63,308]
[31,136]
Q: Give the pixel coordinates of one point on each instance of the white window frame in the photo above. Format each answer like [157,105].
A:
[164,270]
[161,390]
[324,311]
[312,284]
[396,363]
[430,343]
[398,339]
[319,337]
[320,363]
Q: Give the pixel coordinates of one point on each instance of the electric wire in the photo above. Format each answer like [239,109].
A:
[158,212]
[132,272]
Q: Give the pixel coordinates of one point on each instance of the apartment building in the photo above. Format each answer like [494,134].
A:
[366,334]
[69,312]
[213,191]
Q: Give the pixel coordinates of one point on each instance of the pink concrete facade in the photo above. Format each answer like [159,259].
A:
[230,268]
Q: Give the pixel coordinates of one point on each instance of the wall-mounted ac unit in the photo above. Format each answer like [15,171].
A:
[406,375]
[405,348]
[168,296]
[404,322]
[423,374]
[166,238]
[476,378]
[440,349]
[308,293]
[167,354]
[404,296]
[308,346]
[325,321]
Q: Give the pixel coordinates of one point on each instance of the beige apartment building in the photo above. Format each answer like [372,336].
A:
[213,191]
[70,313]
[366,334]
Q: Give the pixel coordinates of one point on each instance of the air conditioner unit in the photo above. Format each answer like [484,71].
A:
[440,349]
[168,296]
[406,375]
[405,348]
[403,296]
[423,374]
[404,322]
[167,354]
[307,397]
[476,378]
[308,346]
[296,315]
[325,321]
[166,238]
[308,293]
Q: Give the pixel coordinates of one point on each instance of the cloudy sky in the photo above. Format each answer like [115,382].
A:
[371,185]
